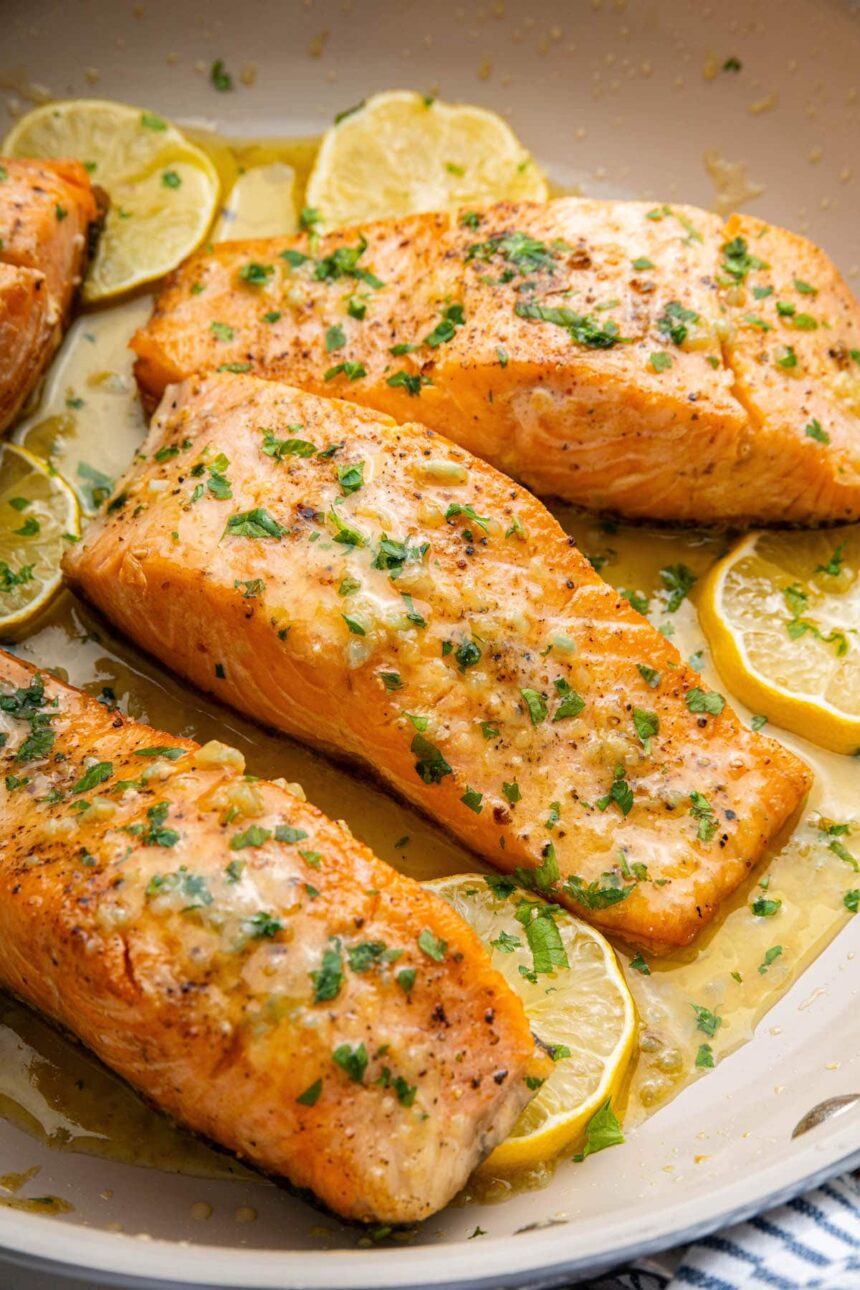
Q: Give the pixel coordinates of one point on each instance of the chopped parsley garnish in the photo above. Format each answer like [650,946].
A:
[93,776]
[351,478]
[678,580]
[770,956]
[636,600]
[649,675]
[647,724]
[392,555]
[638,964]
[620,793]
[454,509]
[257,523]
[234,871]
[335,338]
[97,486]
[281,448]
[701,810]
[352,1060]
[253,836]
[765,907]
[673,321]
[286,833]
[705,1057]
[154,834]
[602,894]
[411,382]
[222,331]
[706,1021]
[262,926]
[256,274]
[500,886]
[328,978]
[220,77]
[833,567]
[583,328]
[343,263]
[445,329]
[512,792]
[737,261]
[191,886]
[311,1095]
[544,938]
[293,258]
[473,799]
[363,956]
[345,535]
[660,361]
[708,701]
[524,254]
[309,218]
[170,751]
[467,655]
[506,943]
[602,1131]
[536,705]
[432,946]
[814,430]
[352,371]
[431,766]
[571,704]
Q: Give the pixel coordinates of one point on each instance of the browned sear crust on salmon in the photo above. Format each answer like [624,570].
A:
[245,962]
[48,214]
[375,590]
[651,361]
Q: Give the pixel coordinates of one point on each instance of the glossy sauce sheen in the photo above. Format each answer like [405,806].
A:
[63,1096]
[408,607]
[245,962]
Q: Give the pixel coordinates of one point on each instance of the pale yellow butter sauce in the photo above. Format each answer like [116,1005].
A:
[89,424]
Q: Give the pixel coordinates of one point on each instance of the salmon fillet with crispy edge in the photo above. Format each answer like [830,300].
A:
[624,357]
[247,964]
[375,590]
[48,212]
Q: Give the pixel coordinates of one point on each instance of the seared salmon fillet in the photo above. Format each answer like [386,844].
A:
[375,590]
[245,962]
[622,356]
[47,212]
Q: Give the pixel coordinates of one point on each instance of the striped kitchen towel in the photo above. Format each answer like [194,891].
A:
[810,1243]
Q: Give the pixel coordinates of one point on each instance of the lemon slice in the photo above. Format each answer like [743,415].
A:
[260,204]
[163,189]
[399,153]
[584,1007]
[782,614]
[39,516]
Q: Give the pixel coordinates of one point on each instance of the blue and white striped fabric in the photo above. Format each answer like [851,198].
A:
[810,1243]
